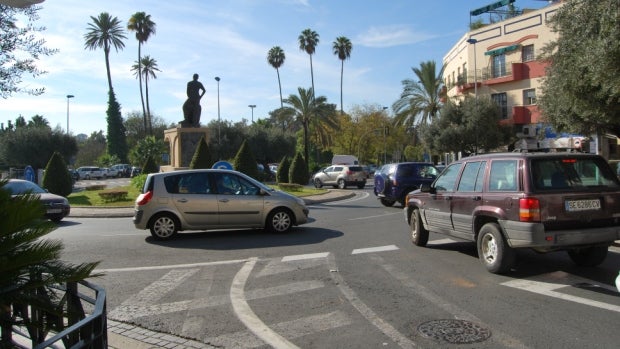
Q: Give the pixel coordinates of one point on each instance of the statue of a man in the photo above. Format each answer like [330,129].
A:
[191,107]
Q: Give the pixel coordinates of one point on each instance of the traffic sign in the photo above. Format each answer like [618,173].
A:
[29,173]
[223,165]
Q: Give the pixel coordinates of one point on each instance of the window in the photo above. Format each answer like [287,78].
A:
[465,78]
[529,96]
[502,101]
[471,177]
[527,53]
[499,65]
[503,175]
[446,181]
[189,183]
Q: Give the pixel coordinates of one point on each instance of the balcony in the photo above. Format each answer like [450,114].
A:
[514,71]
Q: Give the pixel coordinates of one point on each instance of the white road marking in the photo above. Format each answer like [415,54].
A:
[195,321]
[375,249]
[304,256]
[172,266]
[376,216]
[277,266]
[547,284]
[245,313]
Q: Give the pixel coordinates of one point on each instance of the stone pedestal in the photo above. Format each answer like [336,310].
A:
[183,142]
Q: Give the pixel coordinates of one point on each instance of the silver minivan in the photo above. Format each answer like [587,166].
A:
[209,199]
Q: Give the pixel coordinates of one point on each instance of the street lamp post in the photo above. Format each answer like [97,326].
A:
[252,106]
[68,97]
[473,42]
[217,78]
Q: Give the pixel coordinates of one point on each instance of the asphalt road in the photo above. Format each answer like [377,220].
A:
[350,279]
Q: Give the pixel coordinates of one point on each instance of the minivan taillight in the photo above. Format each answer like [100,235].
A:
[144,199]
[529,210]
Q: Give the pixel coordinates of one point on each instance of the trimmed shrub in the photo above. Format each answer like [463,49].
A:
[298,173]
[283,167]
[245,161]
[138,181]
[57,179]
[149,166]
[202,156]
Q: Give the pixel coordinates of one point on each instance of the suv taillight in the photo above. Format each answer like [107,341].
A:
[529,210]
[144,199]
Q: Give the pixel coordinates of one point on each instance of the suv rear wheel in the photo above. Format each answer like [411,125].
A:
[419,235]
[588,256]
[493,250]
[318,183]
[342,184]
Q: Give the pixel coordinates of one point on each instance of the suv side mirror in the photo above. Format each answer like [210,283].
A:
[426,188]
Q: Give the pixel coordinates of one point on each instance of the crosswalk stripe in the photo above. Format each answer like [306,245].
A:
[375,249]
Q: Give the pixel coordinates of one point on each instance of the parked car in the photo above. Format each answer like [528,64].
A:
[111,173]
[340,176]
[90,172]
[394,181]
[135,171]
[124,170]
[56,206]
[503,202]
[213,199]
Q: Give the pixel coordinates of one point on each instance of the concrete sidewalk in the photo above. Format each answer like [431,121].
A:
[127,211]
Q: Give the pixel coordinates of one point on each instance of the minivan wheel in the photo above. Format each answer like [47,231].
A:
[342,184]
[493,250]
[318,183]
[588,256]
[387,203]
[164,226]
[279,221]
[419,235]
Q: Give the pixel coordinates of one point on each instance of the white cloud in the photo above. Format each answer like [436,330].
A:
[394,35]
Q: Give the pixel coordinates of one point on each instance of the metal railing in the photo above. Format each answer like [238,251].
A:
[76,328]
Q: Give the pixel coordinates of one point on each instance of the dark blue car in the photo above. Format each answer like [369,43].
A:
[394,181]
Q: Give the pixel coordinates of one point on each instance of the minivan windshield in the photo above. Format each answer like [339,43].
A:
[576,173]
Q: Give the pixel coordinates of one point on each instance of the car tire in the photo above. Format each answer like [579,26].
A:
[56,219]
[493,250]
[317,183]
[279,221]
[419,234]
[87,177]
[588,256]
[387,203]
[164,226]
[361,186]
[342,184]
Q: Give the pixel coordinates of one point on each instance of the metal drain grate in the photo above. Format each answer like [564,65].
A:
[454,331]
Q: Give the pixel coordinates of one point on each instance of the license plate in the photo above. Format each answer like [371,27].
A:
[582,205]
[54,210]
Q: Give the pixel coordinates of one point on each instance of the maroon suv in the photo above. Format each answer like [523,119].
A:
[504,201]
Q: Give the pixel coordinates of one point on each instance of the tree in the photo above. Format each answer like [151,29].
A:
[468,126]
[149,166]
[298,172]
[116,141]
[147,147]
[91,149]
[245,161]
[26,257]
[56,178]
[39,121]
[342,48]
[202,156]
[35,145]
[144,27]
[283,168]
[104,32]
[20,48]
[305,107]
[308,40]
[420,100]
[581,91]
[276,57]
[149,67]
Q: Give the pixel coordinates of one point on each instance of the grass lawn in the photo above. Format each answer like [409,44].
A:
[92,198]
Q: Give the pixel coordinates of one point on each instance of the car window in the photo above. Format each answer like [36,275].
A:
[446,181]
[426,171]
[571,174]
[471,179]
[231,184]
[337,169]
[188,183]
[329,169]
[503,175]
[355,168]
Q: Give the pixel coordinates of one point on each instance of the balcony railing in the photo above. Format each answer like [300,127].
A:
[83,323]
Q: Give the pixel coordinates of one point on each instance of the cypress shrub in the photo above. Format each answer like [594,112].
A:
[283,167]
[298,173]
[149,166]
[245,162]
[202,156]
[57,179]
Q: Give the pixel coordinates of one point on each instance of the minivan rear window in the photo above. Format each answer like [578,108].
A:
[576,173]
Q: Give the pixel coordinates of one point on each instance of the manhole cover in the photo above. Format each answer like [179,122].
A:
[454,331]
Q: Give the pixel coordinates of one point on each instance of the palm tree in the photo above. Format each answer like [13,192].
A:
[276,57]
[308,39]
[305,108]
[342,48]
[420,100]
[105,31]
[141,23]
[148,66]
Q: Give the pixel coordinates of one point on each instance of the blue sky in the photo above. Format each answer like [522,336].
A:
[230,39]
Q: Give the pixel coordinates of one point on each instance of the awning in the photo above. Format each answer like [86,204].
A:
[499,51]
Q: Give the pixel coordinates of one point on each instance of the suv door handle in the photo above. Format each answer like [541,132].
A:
[182,200]
[476,198]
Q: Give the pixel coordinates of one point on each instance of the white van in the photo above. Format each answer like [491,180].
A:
[345,160]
